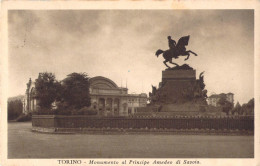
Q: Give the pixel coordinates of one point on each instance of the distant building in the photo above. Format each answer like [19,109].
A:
[213,99]
[106,97]
[136,101]
[29,102]
[109,99]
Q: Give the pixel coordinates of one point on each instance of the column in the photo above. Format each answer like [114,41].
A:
[24,106]
[105,109]
[28,103]
[31,104]
[112,106]
[36,105]
[119,106]
[97,99]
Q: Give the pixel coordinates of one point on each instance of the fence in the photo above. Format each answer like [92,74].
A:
[216,123]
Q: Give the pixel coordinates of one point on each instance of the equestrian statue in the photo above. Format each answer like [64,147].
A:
[175,50]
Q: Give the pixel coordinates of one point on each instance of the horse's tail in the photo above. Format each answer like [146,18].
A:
[158,52]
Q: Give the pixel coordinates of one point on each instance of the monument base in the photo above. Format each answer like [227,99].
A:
[180,92]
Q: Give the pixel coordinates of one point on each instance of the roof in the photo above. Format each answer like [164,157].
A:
[220,95]
[138,95]
[102,82]
[214,96]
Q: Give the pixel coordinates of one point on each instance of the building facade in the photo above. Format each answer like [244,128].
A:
[106,98]
[110,100]
[29,102]
[136,101]
[213,99]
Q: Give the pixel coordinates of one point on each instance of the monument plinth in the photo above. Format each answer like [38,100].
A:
[179,91]
[173,75]
[174,85]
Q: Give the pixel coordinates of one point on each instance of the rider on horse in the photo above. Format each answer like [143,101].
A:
[176,50]
[172,46]
[172,43]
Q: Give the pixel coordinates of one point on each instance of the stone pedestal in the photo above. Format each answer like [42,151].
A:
[179,92]
[174,85]
[176,75]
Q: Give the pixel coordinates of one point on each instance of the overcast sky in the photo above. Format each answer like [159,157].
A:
[121,45]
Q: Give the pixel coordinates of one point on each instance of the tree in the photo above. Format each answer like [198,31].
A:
[15,108]
[247,108]
[225,104]
[250,107]
[76,91]
[243,110]
[47,90]
[237,108]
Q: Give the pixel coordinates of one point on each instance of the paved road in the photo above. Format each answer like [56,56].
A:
[22,143]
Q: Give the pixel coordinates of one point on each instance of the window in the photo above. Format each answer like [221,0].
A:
[129,110]
[135,110]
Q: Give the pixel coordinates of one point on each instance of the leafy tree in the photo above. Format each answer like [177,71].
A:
[250,106]
[76,91]
[47,90]
[251,103]
[245,109]
[237,108]
[15,108]
[225,104]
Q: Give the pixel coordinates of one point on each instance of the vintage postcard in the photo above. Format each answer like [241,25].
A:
[130,83]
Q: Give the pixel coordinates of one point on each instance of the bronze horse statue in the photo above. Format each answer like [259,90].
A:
[175,50]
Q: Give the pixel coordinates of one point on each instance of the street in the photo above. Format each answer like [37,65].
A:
[23,143]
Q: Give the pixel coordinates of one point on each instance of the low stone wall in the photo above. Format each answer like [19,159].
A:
[45,121]
[61,123]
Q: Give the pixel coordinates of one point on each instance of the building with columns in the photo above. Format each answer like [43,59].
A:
[106,97]
[109,99]
[29,102]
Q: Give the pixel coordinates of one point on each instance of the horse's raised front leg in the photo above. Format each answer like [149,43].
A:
[166,63]
[173,63]
[188,55]
[192,52]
